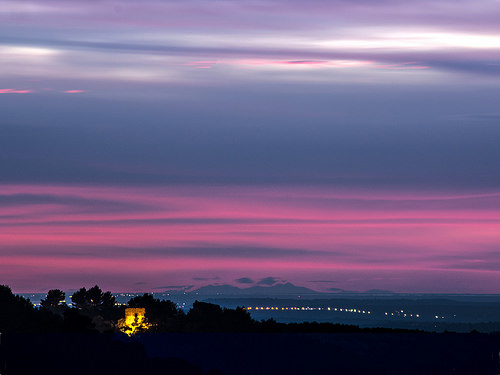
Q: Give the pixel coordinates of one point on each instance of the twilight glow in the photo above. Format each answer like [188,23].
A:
[333,144]
[353,239]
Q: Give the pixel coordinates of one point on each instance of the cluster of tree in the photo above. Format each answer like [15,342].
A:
[202,317]
[17,314]
[95,310]
[385,351]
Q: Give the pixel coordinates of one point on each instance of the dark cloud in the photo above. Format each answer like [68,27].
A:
[444,61]
[76,251]
[474,264]
[244,280]
[269,281]
[474,118]
[183,287]
[77,204]
[322,281]
[239,251]
[486,202]
[206,278]
[482,203]
[482,257]
[171,221]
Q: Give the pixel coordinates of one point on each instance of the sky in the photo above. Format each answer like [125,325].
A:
[333,144]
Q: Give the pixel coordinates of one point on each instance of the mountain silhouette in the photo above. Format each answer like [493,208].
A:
[286,289]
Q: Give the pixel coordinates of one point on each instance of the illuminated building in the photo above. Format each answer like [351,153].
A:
[135,321]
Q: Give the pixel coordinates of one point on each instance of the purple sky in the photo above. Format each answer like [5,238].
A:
[155,143]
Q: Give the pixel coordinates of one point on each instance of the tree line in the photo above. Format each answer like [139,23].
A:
[49,349]
[93,310]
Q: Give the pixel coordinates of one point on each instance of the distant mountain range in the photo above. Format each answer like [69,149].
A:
[280,289]
[277,289]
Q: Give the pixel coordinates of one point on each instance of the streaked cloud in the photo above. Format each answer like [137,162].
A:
[175,142]
[15,91]
[226,231]
[155,41]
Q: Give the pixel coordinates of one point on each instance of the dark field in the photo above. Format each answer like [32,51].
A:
[249,353]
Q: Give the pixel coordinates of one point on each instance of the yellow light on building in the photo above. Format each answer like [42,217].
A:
[135,321]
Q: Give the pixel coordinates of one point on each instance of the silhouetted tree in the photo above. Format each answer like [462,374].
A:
[98,306]
[205,317]
[79,298]
[55,297]
[94,298]
[54,302]
[108,300]
[18,314]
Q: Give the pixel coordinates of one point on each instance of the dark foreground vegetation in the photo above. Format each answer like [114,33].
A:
[83,339]
[96,311]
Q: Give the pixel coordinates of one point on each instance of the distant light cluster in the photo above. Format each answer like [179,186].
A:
[307,308]
[402,314]
[396,314]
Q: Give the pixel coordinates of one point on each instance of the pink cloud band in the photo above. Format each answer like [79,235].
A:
[306,231]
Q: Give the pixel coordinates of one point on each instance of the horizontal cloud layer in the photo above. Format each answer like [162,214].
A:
[177,143]
[169,41]
[227,232]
